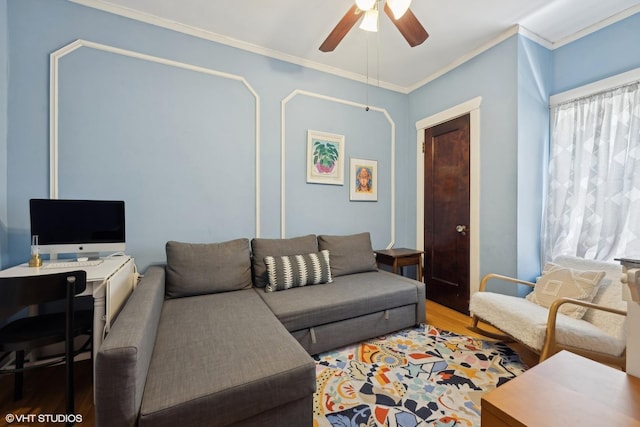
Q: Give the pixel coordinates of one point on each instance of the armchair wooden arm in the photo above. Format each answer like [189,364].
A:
[490,276]
[551,347]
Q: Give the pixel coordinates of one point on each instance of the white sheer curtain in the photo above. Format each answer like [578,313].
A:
[592,209]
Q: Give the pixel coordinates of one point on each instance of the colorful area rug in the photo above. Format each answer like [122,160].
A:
[417,377]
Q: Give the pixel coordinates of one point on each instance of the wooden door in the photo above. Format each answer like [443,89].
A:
[446,213]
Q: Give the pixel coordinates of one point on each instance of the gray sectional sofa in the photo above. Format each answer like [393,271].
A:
[222,334]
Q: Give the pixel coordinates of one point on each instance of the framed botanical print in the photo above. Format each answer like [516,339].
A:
[325,158]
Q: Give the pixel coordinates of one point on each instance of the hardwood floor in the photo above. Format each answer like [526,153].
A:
[44,388]
[445,318]
[44,394]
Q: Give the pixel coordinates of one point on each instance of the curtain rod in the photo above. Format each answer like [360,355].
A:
[610,83]
[570,101]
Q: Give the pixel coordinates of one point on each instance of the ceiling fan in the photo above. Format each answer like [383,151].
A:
[397,10]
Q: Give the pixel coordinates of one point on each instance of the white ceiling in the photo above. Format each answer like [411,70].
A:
[294,29]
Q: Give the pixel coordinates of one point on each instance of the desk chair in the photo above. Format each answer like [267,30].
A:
[27,333]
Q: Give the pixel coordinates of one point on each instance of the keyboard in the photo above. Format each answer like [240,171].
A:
[72,264]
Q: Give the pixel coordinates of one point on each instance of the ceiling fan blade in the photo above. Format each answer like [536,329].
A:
[409,26]
[341,29]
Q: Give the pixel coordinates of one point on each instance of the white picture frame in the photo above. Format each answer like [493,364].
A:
[325,158]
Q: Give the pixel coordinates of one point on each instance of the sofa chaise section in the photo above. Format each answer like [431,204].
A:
[225,357]
[193,348]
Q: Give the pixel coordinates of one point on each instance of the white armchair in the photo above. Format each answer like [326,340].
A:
[599,335]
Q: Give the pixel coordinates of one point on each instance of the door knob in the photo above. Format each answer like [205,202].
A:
[462,229]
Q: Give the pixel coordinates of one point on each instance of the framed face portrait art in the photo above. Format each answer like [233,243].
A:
[363,180]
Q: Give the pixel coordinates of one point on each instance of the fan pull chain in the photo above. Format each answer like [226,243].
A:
[378,58]
[377,67]
[367,83]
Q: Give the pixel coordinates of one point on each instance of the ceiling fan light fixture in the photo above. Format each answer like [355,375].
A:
[408,25]
[370,21]
[365,5]
[398,7]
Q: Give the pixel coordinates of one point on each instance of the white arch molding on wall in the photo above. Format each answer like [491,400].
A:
[471,107]
[54,72]
[283,143]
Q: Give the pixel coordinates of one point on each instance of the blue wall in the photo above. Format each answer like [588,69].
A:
[534,85]
[605,53]
[4,242]
[179,145]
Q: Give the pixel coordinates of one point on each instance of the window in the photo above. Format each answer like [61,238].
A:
[592,206]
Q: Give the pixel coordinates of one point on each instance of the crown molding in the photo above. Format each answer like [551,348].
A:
[229,41]
[218,38]
[467,57]
[598,26]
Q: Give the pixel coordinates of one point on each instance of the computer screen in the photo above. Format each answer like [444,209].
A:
[83,227]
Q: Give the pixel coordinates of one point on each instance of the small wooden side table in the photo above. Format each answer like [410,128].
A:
[400,257]
[565,390]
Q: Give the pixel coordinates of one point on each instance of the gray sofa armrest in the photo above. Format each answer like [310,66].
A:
[421,290]
[122,361]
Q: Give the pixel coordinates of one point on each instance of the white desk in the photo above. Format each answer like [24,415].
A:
[110,283]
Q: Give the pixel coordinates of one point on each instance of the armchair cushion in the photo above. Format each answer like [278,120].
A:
[609,293]
[527,322]
[557,282]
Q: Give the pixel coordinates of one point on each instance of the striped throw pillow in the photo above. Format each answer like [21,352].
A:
[285,272]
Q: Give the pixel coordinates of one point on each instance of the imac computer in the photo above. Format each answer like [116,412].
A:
[82,227]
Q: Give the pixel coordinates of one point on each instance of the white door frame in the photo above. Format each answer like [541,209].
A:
[471,107]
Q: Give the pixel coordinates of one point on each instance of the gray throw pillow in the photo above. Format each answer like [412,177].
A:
[349,254]
[261,248]
[206,268]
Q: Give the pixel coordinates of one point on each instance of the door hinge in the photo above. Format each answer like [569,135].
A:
[423,147]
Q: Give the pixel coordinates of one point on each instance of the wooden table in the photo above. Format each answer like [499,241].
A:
[400,257]
[565,390]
